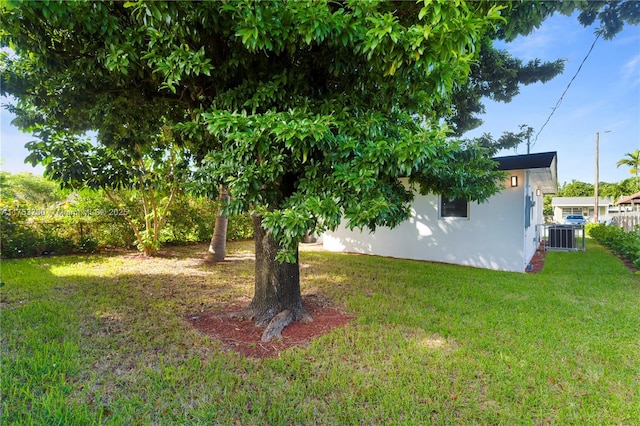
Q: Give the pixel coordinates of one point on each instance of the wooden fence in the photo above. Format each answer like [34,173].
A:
[628,220]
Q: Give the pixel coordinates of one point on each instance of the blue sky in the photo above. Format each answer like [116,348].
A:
[605,96]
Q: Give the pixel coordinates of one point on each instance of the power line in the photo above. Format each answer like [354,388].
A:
[553,110]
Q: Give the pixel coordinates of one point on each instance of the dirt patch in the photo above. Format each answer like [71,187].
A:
[243,336]
[629,264]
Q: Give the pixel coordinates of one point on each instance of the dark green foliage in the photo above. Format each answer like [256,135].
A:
[508,140]
[525,16]
[23,239]
[629,186]
[576,189]
[141,180]
[611,14]
[192,219]
[23,236]
[614,190]
[16,240]
[88,221]
[240,227]
[626,244]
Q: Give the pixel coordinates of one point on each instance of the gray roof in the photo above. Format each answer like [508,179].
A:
[580,201]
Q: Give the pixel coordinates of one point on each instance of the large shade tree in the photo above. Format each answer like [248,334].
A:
[308,113]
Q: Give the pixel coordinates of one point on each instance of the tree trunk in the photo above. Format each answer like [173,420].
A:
[276,300]
[218,246]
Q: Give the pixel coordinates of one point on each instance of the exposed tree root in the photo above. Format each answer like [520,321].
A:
[274,323]
[280,321]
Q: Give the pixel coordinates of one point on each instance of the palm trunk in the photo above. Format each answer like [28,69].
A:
[218,245]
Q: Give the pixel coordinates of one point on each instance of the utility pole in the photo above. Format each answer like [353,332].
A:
[595,211]
[595,187]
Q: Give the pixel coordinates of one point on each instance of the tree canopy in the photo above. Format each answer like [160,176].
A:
[308,111]
[576,189]
[29,188]
[614,190]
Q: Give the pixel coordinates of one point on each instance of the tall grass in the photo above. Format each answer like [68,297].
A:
[103,340]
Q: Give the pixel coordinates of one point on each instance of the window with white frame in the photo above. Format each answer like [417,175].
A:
[454,207]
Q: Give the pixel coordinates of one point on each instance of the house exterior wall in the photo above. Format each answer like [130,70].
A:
[492,237]
[531,233]
[564,206]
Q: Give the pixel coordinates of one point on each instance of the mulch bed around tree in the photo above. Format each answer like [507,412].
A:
[243,336]
[537,261]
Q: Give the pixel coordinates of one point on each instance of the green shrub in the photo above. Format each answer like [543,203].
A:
[87,221]
[191,219]
[91,215]
[626,244]
[589,226]
[240,227]
[55,239]
[88,244]
[16,240]
[27,231]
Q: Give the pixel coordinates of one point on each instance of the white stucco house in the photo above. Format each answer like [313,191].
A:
[499,234]
[564,206]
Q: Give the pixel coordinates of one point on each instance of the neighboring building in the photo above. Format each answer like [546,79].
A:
[630,203]
[564,206]
[627,215]
[498,234]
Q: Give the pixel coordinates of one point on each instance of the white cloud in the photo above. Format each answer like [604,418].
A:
[631,72]
[529,47]
[544,42]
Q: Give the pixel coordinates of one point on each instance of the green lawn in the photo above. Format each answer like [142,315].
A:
[102,340]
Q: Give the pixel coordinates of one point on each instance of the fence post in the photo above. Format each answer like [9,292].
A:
[626,220]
